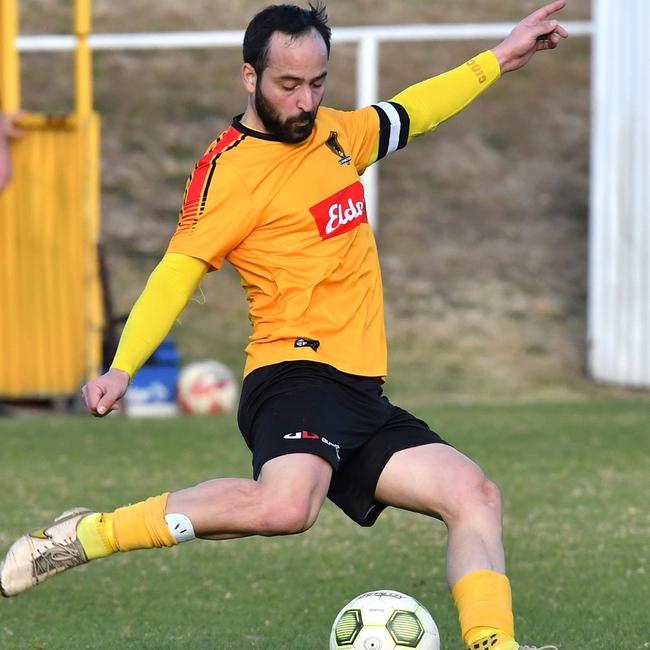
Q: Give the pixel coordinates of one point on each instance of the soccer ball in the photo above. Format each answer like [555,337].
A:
[206,387]
[384,620]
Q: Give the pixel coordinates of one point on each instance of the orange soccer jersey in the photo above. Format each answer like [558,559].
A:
[292,220]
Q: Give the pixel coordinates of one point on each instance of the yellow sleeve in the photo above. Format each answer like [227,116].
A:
[170,286]
[422,107]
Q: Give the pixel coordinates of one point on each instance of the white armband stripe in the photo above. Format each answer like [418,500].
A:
[395,125]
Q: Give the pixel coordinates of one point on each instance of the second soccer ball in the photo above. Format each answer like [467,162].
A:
[206,387]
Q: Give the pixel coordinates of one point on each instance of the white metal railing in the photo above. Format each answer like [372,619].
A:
[228,38]
[367,39]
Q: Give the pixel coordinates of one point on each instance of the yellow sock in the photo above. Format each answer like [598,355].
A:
[95,534]
[484,603]
[142,525]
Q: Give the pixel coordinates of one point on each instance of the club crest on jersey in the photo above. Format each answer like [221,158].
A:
[341,212]
[335,147]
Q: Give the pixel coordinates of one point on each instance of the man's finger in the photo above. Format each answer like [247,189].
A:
[105,404]
[12,130]
[544,12]
[92,394]
[545,28]
[560,31]
[551,27]
[551,39]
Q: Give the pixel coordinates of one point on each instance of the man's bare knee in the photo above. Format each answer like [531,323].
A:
[489,498]
[474,496]
[287,516]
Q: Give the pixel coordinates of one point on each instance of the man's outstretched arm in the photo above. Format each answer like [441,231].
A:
[169,288]
[422,107]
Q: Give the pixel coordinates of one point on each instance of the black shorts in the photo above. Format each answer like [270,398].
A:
[307,407]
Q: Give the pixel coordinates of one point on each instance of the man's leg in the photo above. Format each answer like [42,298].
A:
[436,479]
[284,500]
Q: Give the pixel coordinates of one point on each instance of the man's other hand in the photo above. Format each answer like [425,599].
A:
[103,395]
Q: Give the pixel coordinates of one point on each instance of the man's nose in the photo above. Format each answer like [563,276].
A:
[306,99]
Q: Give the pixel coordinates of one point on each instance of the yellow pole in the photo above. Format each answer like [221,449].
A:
[88,123]
[83,58]
[9,64]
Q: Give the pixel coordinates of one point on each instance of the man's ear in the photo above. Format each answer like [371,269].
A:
[250,77]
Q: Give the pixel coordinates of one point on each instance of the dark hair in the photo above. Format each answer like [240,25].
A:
[288,19]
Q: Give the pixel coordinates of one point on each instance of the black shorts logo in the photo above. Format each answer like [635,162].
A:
[308,435]
[307,343]
[301,435]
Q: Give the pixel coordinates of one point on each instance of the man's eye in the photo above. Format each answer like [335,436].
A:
[288,88]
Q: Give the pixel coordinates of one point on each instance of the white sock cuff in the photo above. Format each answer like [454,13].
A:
[180,527]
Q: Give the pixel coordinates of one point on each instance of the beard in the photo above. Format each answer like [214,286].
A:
[293,130]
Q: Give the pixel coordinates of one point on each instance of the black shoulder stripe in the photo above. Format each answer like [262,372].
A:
[384,132]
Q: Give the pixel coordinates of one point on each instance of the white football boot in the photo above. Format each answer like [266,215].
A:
[34,558]
[498,642]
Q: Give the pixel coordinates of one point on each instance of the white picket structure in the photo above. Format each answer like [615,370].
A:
[619,287]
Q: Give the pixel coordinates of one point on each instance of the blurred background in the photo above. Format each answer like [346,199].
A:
[484,229]
[483,225]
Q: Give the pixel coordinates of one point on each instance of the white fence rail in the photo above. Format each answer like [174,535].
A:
[368,40]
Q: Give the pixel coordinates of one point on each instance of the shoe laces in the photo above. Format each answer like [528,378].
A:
[56,557]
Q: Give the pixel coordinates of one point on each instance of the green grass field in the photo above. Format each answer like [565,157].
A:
[575,479]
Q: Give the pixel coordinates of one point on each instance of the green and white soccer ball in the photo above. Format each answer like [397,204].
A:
[384,620]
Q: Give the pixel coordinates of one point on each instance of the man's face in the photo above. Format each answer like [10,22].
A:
[291,88]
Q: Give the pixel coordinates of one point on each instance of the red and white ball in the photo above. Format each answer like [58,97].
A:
[206,387]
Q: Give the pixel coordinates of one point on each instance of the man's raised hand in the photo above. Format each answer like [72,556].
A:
[534,33]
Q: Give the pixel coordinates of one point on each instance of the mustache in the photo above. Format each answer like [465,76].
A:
[304,116]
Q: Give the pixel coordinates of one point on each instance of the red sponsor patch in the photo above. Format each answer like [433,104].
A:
[341,212]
